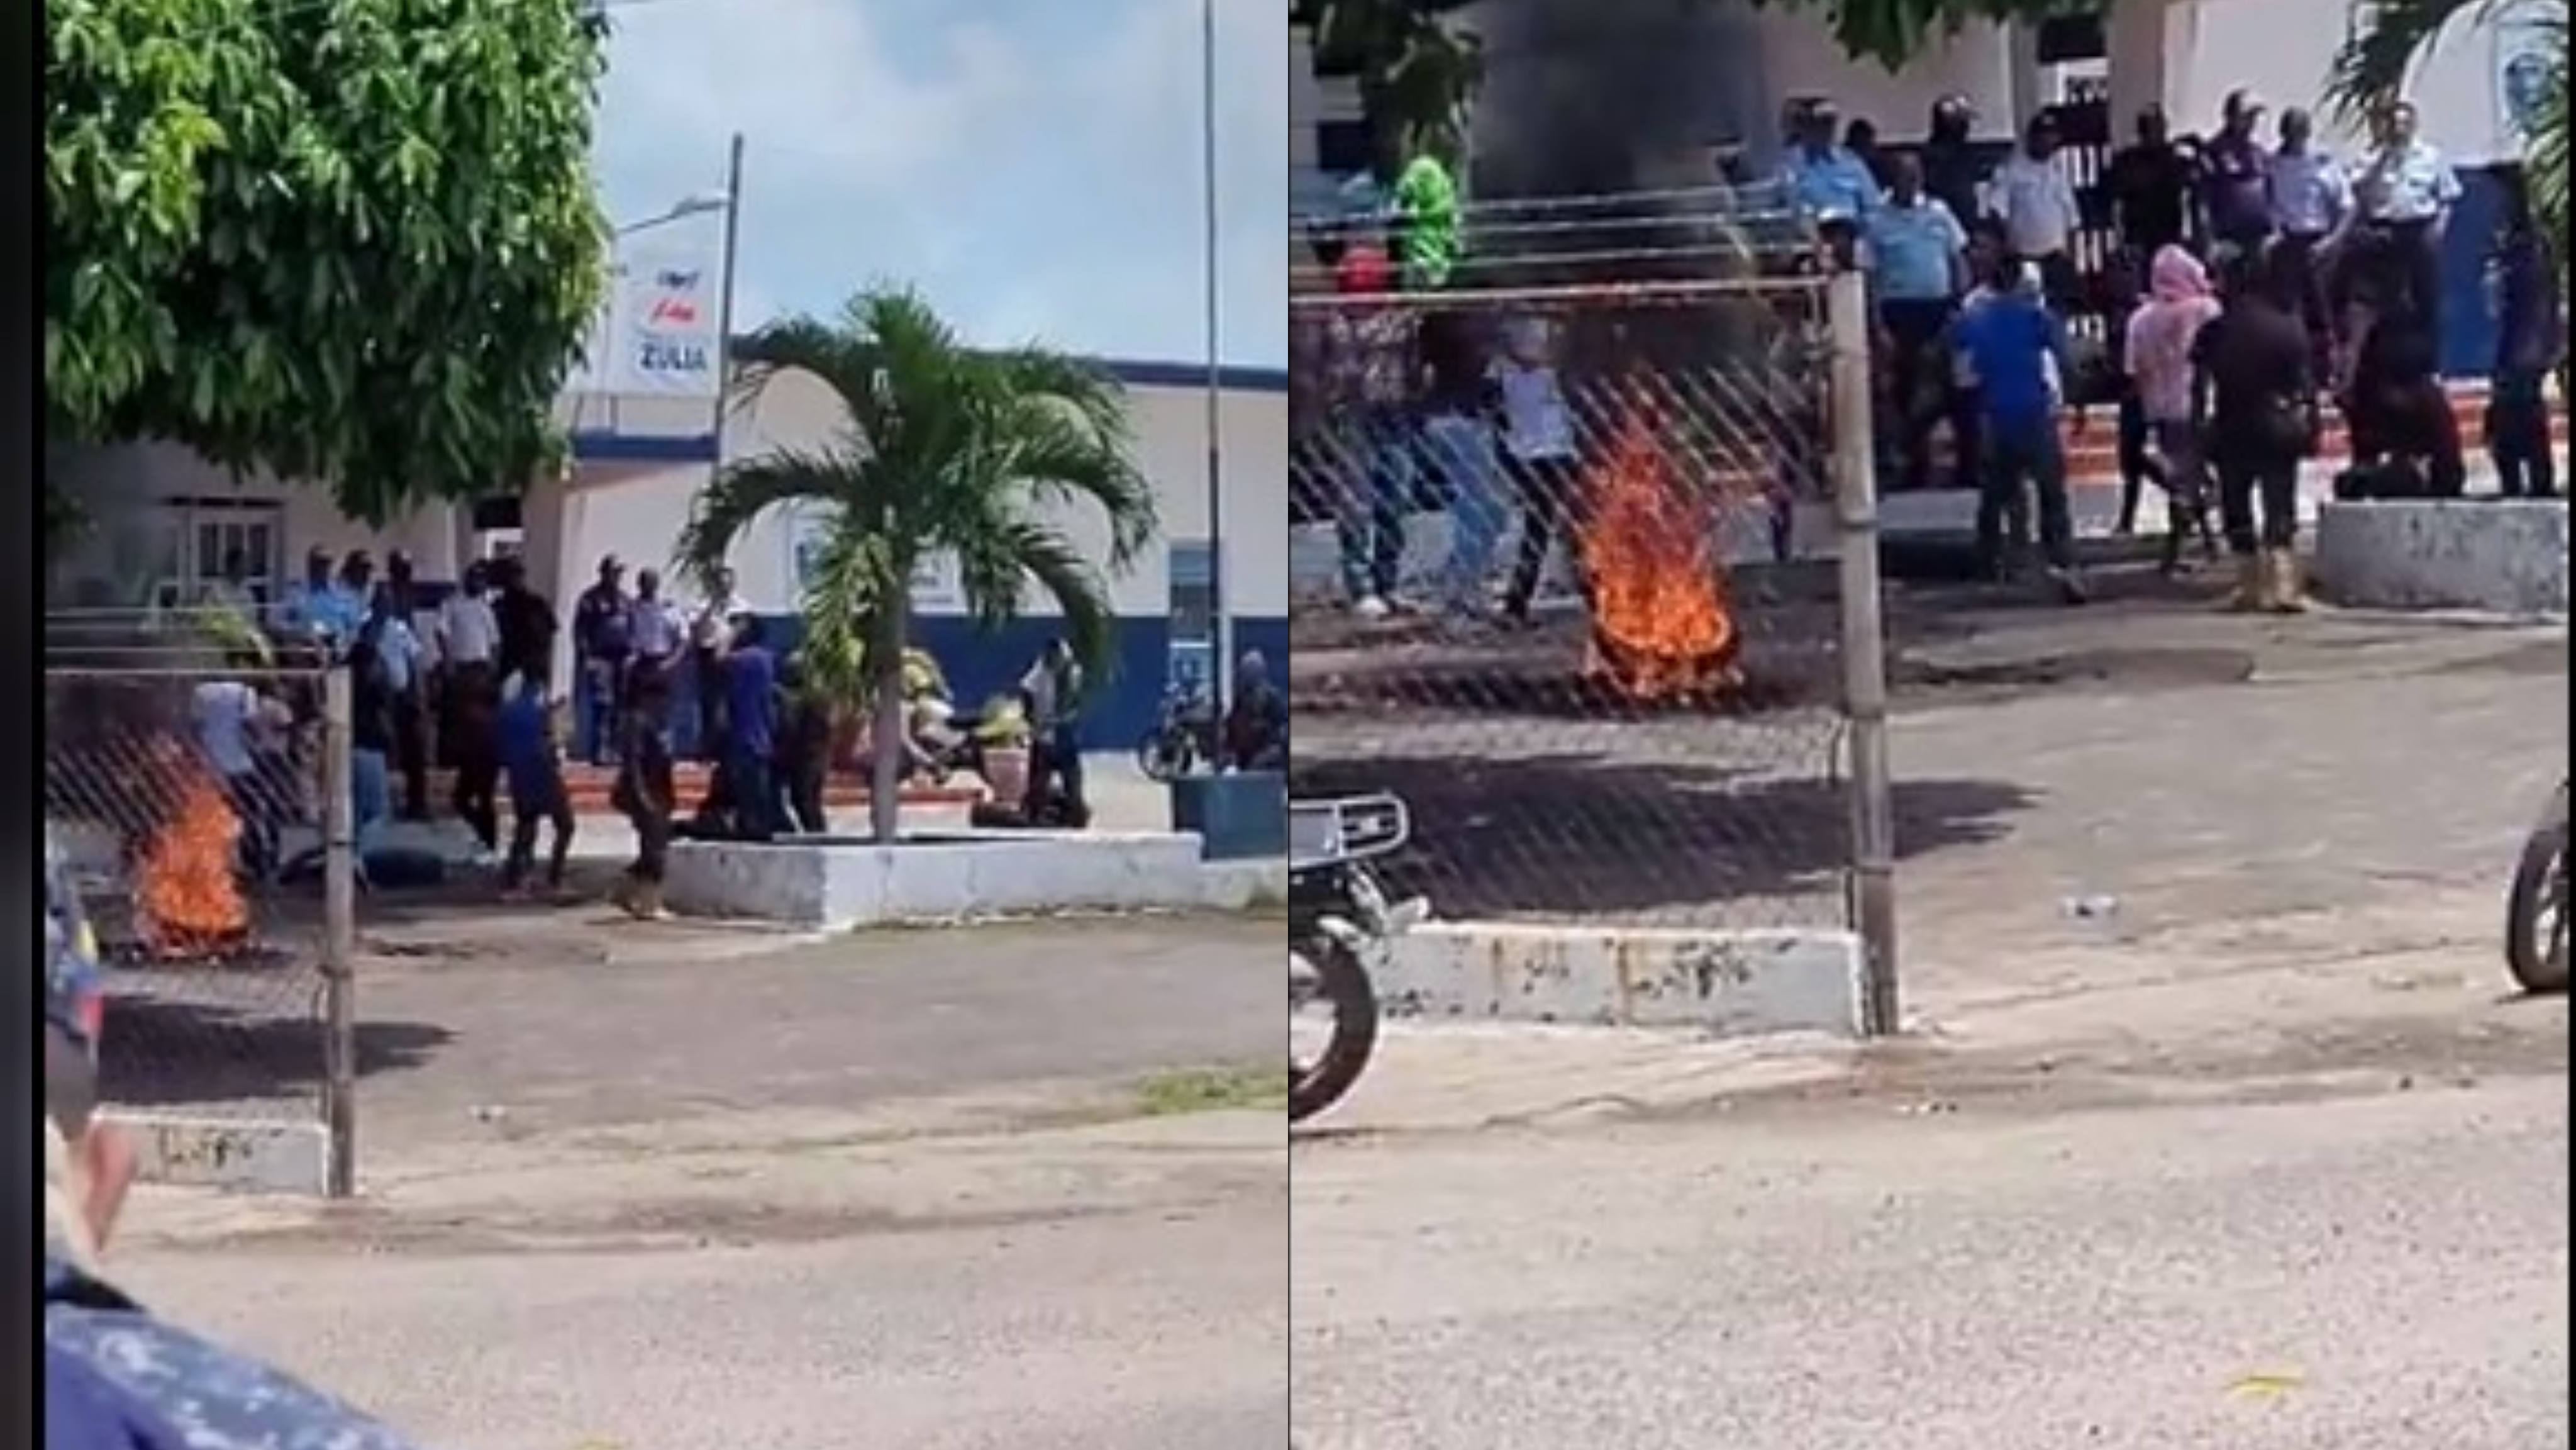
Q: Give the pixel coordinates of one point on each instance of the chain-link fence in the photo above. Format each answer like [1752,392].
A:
[1567,584]
[199,790]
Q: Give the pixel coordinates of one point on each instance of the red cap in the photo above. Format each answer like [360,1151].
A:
[1363,268]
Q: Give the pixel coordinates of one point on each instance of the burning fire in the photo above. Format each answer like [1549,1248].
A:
[190,901]
[1661,625]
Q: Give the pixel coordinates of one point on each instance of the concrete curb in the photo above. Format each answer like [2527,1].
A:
[2485,555]
[837,884]
[1723,983]
[184,1152]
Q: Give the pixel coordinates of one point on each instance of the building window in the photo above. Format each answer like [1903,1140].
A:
[207,539]
[1192,571]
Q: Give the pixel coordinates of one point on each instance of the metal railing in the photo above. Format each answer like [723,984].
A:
[1588,574]
[201,794]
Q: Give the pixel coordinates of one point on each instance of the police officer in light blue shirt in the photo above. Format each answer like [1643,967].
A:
[321,608]
[1916,254]
[1823,177]
[2404,191]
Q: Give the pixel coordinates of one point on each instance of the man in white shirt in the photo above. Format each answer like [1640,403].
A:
[2033,199]
[2404,193]
[655,628]
[236,727]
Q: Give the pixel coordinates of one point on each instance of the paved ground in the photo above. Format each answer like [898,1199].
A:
[2214,1078]
[659,1188]
[1107,1290]
[2379,1274]
[517,1022]
[2252,1152]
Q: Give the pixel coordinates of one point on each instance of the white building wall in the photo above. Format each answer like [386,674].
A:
[2281,50]
[1800,57]
[638,513]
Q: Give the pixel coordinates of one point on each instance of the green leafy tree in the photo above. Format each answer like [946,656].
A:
[946,450]
[342,240]
[2390,36]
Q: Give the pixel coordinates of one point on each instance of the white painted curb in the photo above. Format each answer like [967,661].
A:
[839,884]
[2494,556]
[1724,983]
[187,1152]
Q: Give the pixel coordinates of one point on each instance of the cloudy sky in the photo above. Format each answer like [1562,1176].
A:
[1032,165]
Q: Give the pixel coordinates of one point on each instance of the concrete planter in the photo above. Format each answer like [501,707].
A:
[1238,817]
[2496,556]
[838,883]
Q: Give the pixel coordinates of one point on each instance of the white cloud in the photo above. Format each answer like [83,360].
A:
[1033,165]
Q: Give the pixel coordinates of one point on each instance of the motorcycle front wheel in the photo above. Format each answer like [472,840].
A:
[2535,930]
[1325,1059]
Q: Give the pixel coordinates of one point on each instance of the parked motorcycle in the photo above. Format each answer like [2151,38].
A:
[1340,924]
[2535,925]
[1183,738]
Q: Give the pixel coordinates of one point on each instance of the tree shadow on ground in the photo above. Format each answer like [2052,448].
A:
[166,1051]
[1583,835]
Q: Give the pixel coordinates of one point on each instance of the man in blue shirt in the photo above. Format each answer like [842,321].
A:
[322,609]
[533,765]
[1917,260]
[751,736]
[2016,349]
[1824,178]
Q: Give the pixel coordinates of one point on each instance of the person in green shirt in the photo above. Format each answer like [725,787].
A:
[1426,210]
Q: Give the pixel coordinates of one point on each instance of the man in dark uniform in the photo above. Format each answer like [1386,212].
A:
[1953,173]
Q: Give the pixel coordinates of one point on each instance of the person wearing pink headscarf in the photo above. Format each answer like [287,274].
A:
[2156,353]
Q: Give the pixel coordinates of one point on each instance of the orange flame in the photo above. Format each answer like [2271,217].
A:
[191,903]
[1661,625]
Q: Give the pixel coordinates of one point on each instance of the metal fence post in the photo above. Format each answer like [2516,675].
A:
[339,938]
[1864,654]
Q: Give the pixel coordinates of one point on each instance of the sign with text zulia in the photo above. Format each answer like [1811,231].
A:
[660,328]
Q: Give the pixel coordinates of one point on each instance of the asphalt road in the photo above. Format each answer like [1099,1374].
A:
[2384,1273]
[1118,1289]
[530,1023]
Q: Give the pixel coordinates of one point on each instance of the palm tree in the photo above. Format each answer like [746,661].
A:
[947,451]
[2390,36]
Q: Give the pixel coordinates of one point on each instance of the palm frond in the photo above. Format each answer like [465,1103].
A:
[2387,39]
[981,457]
[747,488]
[1072,582]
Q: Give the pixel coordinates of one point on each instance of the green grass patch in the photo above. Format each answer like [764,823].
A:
[1212,1090]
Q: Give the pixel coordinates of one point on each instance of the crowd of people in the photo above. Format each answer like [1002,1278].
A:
[466,687]
[1975,275]
[1991,327]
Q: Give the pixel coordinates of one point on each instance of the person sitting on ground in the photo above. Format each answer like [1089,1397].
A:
[532,763]
[1256,723]
[2405,438]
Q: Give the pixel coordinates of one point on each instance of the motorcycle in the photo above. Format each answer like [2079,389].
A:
[2535,926]
[1183,738]
[1340,925]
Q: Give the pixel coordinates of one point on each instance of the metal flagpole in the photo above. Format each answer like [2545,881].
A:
[1221,665]
[724,298]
